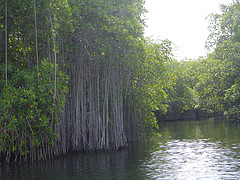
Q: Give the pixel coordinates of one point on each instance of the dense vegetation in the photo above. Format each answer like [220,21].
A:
[212,83]
[79,75]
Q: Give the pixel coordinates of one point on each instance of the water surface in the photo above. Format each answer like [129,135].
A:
[203,149]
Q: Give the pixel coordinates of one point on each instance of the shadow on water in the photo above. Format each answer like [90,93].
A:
[122,164]
[203,149]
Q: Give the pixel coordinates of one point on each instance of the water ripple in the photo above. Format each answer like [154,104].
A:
[191,159]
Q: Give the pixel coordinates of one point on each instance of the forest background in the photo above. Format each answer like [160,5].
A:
[79,75]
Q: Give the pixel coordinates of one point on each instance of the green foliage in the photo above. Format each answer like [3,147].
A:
[227,54]
[217,84]
[99,44]
[233,113]
[152,76]
[210,87]
[28,109]
[211,83]
[182,94]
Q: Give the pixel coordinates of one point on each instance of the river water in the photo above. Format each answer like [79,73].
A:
[202,149]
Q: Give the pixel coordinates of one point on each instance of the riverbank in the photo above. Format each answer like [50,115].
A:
[199,149]
[191,114]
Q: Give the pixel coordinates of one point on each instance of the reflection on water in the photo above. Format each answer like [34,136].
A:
[206,149]
[186,159]
[95,165]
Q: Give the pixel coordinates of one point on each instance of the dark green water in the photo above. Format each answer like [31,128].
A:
[204,149]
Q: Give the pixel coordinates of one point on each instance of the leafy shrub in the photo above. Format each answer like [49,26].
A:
[28,107]
[233,114]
